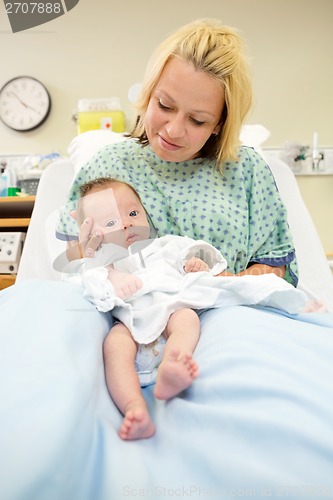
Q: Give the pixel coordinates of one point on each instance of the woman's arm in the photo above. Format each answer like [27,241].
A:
[257,269]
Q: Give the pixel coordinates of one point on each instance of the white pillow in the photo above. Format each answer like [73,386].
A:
[85,145]
[254,136]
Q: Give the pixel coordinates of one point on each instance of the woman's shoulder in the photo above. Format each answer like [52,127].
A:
[247,158]
[255,171]
[253,162]
[250,155]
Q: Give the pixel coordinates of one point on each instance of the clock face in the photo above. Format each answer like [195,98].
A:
[24,103]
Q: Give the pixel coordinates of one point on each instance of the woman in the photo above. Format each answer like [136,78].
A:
[185,161]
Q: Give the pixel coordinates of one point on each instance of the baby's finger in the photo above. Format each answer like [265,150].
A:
[121,294]
[189,265]
[195,265]
[204,267]
[138,283]
[134,286]
[128,290]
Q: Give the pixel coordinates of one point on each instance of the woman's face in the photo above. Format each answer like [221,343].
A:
[184,110]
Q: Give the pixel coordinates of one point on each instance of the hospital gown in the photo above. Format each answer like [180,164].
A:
[238,211]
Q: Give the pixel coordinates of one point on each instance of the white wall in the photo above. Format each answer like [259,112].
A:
[101,47]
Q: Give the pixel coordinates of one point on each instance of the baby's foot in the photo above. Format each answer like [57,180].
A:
[175,374]
[137,423]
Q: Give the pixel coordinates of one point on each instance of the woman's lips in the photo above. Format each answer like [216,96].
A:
[168,145]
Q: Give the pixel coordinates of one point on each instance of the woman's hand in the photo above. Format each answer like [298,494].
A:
[195,265]
[86,245]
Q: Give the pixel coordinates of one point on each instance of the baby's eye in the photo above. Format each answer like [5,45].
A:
[111,223]
[133,213]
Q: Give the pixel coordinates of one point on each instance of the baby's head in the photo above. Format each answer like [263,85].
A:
[116,210]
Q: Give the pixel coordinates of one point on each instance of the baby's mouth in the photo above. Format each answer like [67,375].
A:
[131,237]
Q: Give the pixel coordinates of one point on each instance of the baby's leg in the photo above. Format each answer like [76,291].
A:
[123,383]
[178,369]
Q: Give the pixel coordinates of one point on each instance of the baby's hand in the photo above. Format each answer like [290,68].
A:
[195,265]
[124,284]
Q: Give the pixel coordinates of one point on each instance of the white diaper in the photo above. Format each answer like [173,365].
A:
[148,359]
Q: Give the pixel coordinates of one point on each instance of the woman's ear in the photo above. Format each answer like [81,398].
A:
[217,129]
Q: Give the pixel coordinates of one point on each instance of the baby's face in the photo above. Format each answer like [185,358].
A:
[117,213]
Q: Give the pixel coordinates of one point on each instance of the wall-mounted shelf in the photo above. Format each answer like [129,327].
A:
[312,173]
[15,211]
[6,280]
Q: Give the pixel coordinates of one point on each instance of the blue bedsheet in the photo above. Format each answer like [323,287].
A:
[257,422]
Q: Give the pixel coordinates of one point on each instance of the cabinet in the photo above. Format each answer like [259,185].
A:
[15,214]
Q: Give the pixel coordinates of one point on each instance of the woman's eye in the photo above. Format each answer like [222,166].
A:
[162,106]
[197,122]
[111,223]
[133,213]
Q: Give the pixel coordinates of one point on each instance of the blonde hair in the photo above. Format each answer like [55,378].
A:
[216,50]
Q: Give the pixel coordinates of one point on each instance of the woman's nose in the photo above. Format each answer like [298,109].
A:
[175,126]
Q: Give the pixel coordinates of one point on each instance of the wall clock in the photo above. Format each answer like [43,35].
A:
[24,103]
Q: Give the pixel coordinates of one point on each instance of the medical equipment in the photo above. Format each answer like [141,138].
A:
[11,245]
[103,114]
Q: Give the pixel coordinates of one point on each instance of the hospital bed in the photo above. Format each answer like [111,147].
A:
[257,422]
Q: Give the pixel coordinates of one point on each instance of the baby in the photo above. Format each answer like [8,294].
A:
[153,287]
[117,212]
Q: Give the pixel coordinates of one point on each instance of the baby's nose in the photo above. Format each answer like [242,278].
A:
[127,223]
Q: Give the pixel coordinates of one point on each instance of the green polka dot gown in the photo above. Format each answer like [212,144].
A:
[239,211]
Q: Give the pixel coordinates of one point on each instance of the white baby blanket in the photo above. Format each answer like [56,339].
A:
[166,288]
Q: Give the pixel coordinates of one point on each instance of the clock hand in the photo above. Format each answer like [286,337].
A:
[23,103]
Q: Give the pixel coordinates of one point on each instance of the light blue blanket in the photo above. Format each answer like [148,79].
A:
[258,422]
